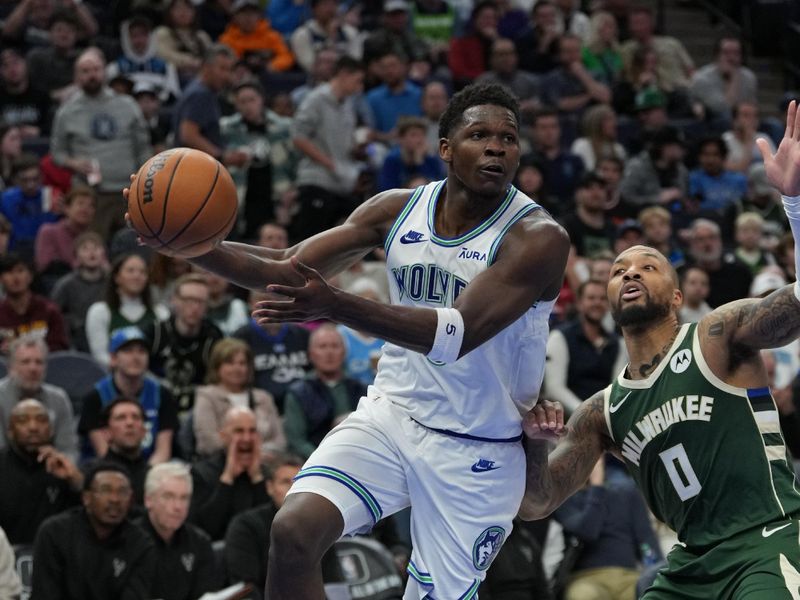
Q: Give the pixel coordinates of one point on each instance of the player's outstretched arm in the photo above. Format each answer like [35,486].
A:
[329,252]
[553,477]
[774,321]
[529,267]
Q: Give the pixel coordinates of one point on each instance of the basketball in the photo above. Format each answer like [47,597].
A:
[182,202]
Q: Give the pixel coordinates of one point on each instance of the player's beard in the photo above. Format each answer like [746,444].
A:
[639,316]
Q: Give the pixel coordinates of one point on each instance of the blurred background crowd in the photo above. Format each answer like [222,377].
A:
[149,428]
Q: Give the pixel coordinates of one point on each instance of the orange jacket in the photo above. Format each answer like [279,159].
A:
[263,38]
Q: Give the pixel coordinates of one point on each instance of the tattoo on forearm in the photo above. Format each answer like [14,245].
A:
[774,321]
[551,480]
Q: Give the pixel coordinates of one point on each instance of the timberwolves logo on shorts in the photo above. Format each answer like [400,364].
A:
[487,546]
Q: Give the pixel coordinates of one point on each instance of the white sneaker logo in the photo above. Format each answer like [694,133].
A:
[615,407]
[768,532]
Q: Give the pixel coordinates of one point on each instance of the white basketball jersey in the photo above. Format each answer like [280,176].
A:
[485,392]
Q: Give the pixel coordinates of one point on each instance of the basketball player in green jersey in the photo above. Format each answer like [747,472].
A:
[693,419]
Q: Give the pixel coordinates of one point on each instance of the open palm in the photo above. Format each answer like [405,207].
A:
[783,168]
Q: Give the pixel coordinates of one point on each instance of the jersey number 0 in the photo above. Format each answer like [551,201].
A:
[688,485]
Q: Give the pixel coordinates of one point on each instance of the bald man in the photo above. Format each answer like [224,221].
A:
[231,480]
[38,480]
[102,137]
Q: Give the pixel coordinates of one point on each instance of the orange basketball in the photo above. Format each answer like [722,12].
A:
[182,202]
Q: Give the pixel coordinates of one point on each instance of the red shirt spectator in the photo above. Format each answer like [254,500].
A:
[24,313]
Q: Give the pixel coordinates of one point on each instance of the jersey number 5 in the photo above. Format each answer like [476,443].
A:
[680,472]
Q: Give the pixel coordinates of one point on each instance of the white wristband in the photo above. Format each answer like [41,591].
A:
[449,335]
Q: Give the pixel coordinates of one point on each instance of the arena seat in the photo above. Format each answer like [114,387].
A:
[369,569]
[23,564]
[74,372]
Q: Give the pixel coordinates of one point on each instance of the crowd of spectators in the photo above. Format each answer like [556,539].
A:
[314,106]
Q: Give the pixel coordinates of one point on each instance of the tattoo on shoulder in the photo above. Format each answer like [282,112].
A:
[716,329]
[586,416]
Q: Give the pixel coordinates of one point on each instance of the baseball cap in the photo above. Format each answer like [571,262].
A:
[649,98]
[145,87]
[766,281]
[394,5]
[123,336]
[242,4]
[757,177]
[629,225]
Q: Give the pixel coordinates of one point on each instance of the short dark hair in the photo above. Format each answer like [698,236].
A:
[216,50]
[713,140]
[24,162]
[250,84]
[544,113]
[283,459]
[582,287]
[11,260]
[102,466]
[347,64]
[105,415]
[79,191]
[541,4]
[475,95]
[140,21]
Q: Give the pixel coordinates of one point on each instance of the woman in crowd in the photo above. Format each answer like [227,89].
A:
[127,303]
[230,384]
[179,41]
[601,55]
[599,138]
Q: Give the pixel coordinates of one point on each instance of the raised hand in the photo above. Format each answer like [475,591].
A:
[545,421]
[783,167]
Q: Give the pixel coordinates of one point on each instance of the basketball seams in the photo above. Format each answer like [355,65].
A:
[199,210]
[228,225]
[173,233]
[166,195]
[139,184]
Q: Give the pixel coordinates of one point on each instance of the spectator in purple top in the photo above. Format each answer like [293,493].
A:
[54,247]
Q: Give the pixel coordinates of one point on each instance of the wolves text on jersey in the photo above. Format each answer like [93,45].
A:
[658,420]
[428,283]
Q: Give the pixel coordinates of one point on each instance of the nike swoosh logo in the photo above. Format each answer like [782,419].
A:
[407,240]
[768,532]
[615,407]
[476,468]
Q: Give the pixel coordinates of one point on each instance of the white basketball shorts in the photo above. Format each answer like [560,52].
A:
[463,493]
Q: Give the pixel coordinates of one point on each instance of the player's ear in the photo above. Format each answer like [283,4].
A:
[445,152]
[677,298]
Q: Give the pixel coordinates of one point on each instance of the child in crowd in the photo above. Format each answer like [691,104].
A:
[76,291]
[749,231]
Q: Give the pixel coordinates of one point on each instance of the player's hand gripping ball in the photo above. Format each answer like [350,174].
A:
[182,202]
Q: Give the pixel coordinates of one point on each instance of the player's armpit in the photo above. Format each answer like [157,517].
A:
[552,478]
[756,323]
[530,267]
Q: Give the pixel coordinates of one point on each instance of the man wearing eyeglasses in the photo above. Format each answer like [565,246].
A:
[94,552]
[180,346]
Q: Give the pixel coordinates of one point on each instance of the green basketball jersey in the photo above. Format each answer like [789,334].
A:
[709,457]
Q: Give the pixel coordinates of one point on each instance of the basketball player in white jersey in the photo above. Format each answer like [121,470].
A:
[474,268]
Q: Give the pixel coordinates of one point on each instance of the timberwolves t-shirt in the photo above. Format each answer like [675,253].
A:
[279,359]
